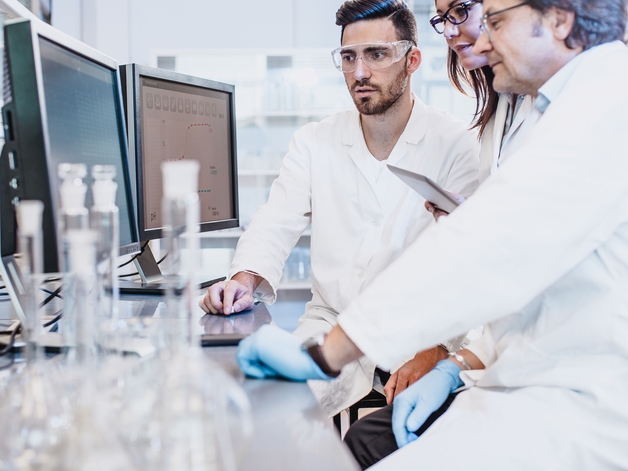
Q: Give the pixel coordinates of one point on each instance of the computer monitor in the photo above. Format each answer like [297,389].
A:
[65,105]
[172,116]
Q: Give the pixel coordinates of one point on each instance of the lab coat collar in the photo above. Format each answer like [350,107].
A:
[500,142]
[552,88]
[413,133]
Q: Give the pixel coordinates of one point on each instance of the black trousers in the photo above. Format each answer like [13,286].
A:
[371,438]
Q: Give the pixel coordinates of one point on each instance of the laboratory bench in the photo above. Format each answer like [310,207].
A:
[290,432]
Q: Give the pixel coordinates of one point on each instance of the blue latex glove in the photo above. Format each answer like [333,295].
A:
[272,352]
[413,406]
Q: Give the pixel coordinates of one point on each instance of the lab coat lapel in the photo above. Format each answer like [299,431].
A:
[358,151]
[525,109]
[360,154]
[418,124]
[498,127]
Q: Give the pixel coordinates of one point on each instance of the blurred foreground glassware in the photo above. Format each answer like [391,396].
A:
[72,216]
[91,443]
[104,220]
[183,412]
[34,417]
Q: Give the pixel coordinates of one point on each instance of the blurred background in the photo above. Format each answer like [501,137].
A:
[276,53]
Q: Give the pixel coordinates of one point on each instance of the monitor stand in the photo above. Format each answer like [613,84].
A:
[151,279]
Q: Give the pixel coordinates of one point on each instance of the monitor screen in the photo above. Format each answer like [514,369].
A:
[83,113]
[65,106]
[173,116]
[181,121]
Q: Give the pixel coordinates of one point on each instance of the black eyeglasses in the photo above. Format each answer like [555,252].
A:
[491,27]
[456,15]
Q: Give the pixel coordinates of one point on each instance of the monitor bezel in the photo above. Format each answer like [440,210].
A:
[37,138]
[131,75]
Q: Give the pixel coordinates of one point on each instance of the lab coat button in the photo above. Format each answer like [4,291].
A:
[376,223]
[361,274]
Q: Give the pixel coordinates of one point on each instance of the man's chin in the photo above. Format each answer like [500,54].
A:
[502,85]
[364,105]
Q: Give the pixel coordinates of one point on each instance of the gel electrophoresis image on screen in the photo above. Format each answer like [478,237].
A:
[82,108]
[181,121]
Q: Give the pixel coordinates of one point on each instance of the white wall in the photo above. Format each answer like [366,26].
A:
[136,30]
[128,30]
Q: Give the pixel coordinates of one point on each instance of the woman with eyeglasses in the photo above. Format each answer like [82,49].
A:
[502,121]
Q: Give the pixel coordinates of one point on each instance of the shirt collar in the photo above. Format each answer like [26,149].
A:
[552,88]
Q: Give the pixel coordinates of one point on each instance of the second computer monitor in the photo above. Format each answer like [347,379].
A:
[172,116]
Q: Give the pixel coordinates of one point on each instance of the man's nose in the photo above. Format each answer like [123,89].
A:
[482,45]
[361,70]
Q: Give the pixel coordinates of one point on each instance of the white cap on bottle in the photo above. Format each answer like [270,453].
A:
[72,189]
[29,215]
[180,178]
[104,192]
[104,188]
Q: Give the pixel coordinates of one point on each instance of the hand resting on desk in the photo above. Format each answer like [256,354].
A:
[229,297]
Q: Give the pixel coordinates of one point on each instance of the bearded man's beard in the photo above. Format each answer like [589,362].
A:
[371,105]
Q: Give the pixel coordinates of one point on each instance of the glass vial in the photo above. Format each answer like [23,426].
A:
[73,216]
[104,221]
[181,215]
[30,241]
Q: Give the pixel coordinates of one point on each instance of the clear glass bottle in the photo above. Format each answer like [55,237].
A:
[35,418]
[72,216]
[104,221]
[181,216]
[179,422]
[90,443]
[30,244]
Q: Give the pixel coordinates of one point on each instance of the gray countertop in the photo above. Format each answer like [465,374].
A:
[290,431]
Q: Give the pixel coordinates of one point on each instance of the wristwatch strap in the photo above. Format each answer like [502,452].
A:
[316,353]
[460,360]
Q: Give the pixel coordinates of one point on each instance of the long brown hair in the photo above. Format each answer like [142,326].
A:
[481,82]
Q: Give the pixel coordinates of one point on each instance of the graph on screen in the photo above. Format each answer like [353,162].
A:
[185,122]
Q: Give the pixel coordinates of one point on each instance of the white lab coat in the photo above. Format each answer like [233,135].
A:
[541,252]
[496,148]
[358,225]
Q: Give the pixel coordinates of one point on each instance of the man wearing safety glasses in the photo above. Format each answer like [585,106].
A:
[335,178]
[539,255]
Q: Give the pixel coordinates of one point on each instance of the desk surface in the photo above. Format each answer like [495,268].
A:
[290,432]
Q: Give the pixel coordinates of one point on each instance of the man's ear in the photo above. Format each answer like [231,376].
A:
[414,60]
[561,22]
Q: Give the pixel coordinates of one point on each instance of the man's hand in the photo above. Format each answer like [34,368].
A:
[228,297]
[412,371]
[436,212]
[412,407]
[272,352]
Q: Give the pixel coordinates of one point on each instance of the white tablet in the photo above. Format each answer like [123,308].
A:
[428,189]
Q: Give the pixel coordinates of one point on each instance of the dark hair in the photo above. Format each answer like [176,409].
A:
[597,22]
[397,10]
[481,81]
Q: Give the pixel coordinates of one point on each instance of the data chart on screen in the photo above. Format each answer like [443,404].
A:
[185,122]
